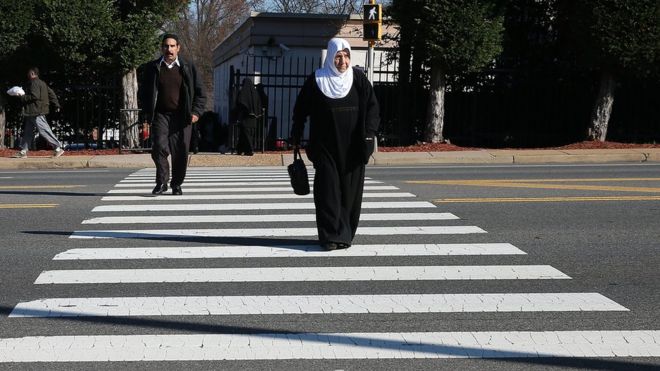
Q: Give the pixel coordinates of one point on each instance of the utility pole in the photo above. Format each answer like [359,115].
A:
[373,18]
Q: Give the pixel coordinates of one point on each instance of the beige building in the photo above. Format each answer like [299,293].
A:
[279,51]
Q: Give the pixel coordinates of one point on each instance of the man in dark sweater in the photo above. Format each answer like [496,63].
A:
[172,99]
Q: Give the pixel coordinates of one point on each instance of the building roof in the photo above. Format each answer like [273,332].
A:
[293,30]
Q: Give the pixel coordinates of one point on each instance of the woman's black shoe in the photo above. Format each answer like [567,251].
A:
[176,190]
[329,246]
[159,189]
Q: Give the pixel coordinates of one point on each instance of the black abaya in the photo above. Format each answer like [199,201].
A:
[339,178]
[336,148]
[249,115]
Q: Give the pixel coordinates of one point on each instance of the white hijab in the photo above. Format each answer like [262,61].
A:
[334,84]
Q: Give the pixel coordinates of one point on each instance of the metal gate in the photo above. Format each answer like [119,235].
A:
[280,79]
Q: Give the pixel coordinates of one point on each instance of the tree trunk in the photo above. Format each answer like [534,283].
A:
[129,122]
[600,116]
[3,126]
[435,115]
[406,98]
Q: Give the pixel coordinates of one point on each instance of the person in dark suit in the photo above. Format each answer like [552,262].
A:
[344,117]
[172,99]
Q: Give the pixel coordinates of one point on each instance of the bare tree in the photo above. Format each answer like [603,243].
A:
[341,6]
[202,26]
[296,6]
[205,23]
[316,6]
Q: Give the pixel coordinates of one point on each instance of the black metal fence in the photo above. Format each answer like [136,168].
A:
[550,113]
[501,115]
[88,118]
[281,79]
[505,110]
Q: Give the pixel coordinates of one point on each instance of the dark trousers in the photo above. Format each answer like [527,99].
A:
[170,137]
[338,200]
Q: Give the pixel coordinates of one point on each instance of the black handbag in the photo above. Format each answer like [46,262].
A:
[298,174]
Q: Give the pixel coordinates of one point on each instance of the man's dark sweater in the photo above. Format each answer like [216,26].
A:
[169,89]
[191,96]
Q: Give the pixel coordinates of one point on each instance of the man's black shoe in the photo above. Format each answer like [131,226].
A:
[176,190]
[159,189]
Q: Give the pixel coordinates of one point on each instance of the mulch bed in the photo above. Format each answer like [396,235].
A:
[442,147]
[422,147]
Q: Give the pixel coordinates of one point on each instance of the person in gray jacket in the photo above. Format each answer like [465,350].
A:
[36,105]
[172,99]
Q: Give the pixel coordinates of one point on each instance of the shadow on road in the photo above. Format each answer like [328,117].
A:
[297,244]
[358,341]
[42,193]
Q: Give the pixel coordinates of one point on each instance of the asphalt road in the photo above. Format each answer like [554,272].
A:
[598,225]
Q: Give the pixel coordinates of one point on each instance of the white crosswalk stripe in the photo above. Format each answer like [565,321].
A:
[297,251]
[263,196]
[304,274]
[316,304]
[228,181]
[240,174]
[216,183]
[147,189]
[150,180]
[255,206]
[325,346]
[231,203]
[257,218]
[149,185]
[268,232]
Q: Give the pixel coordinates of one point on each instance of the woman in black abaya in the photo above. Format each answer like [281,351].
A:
[249,116]
[343,112]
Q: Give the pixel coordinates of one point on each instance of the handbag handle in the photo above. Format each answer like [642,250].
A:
[296,154]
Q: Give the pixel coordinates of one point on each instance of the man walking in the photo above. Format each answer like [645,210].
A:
[36,105]
[172,99]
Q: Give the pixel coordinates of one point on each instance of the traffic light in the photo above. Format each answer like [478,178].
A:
[371,32]
[373,17]
[373,13]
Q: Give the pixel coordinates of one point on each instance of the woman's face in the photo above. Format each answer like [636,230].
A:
[342,60]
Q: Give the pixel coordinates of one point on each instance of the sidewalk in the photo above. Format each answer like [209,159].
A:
[551,156]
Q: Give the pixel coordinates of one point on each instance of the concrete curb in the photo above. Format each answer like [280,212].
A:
[68,162]
[577,156]
[381,158]
[234,160]
[447,158]
[119,161]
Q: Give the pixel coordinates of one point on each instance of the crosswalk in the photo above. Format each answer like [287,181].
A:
[251,216]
